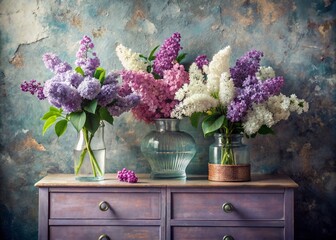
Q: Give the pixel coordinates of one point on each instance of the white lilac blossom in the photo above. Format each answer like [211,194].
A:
[218,65]
[265,73]
[195,103]
[227,89]
[130,60]
[256,117]
[196,84]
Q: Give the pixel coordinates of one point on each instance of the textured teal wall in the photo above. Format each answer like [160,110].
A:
[297,37]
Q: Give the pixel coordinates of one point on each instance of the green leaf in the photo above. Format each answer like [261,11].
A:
[92,122]
[79,70]
[194,119]
[60,127]
[151,56]
[149,69]
[78,120]
[180,57]
[91,106]
[49,114]
[100,74]
[142,56]
[212,123]
[105,115]
[48,123]
[265,130]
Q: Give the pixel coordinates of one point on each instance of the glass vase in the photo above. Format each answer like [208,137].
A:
[89,155]
[168,150]
[229,159]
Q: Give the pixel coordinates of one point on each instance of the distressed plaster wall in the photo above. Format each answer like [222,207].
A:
[297,37]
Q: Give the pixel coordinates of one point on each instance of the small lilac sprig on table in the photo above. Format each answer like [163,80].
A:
[245,98]
[126,175]
[83,96]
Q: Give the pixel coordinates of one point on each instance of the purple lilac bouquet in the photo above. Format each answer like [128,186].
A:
[245,98]
[83,96]
[155,78]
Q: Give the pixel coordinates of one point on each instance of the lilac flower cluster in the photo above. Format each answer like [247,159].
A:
[249,89]
[157,95]
[201,61]
[33,87]
[88,64]
[71,90]
[246,66]
[55,64]
[126,175]
[165,58]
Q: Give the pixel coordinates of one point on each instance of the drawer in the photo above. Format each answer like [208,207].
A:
[244,206]
[95,232]
[218,233]
[121,205]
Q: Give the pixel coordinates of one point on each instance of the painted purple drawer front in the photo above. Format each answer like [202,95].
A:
[208,206]
[218,233]
[122,205]
[166,209]
[113,232]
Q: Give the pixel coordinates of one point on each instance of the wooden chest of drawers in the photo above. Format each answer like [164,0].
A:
[166,209]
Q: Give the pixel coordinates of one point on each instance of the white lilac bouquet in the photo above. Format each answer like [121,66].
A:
[245,98]
[155,78]
[83,96]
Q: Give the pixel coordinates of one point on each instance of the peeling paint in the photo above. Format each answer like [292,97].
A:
[17,60]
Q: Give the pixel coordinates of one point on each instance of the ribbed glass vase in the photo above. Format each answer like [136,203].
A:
[168,150]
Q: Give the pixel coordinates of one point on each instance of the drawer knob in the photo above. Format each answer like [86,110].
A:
[227,207]
[104,206]
[228,237]
[104,237]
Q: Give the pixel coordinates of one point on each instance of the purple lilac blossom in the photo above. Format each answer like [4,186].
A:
[62,95]
[87,64]
[89,88]
[55,64]
[107,93]
[236,110]
[111,78]
[123,104]
[74,78]
[246,66]
[33,87]
[167,54]
[254,91]
[201,61]
[126,175]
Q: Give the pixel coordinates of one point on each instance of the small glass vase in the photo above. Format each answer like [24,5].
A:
[229,159]
[89,155]
[168,150]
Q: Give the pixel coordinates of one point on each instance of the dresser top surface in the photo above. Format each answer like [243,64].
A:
[260,181]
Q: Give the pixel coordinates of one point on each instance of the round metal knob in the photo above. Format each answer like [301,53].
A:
[104,237]
[227,207]
[104,206]
[228,237]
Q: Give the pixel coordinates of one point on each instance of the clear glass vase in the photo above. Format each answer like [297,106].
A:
[89,155]
[229,159]
[168,150]
[228,150]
